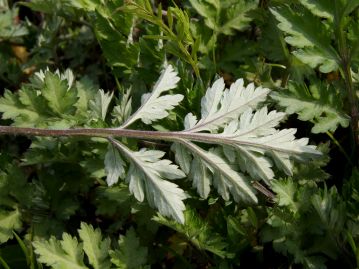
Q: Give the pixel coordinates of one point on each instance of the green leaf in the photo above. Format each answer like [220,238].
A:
[29,98]
[330,209]
[13,186]
[235,15]
[45,6]
[199,233]
[272,40]
[320,8]
[313,57]
[8,28]
[53,99]
[63,254]
[314,262]
[319,104]
[59,94]
[313,171]
[86,91]
[225,16]
[306,32]
[207,41]
[207,9]
[183,27]
[113,34]
[88,5]
[9,221]
[303,30]
[130,254]
[96,249]
[12,108]
[348,6]
[286,193]
[111,201]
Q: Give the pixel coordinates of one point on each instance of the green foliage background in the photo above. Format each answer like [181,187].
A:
[56,210]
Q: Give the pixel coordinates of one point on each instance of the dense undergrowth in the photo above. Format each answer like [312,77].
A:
[179,134]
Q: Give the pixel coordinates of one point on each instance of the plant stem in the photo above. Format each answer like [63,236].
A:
[262,189]
[345,62]
[336,142]
[109,132]
[116,132]
[353,107]
[152,135]
[4,264]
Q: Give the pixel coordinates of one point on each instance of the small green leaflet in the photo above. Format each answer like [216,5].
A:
[199,233]
[330,9]
[285,193]
[225,16]
[69,253]
[9,29]
[59,94]
[45,6]
[12,108]
[329,207]
[86,91]
[95,247]
[63,254]
[295,24]
[9,221]
[55,99]
[313,57]
[130,254]
[207,9]
[310,36]
[300,208]
[318,104]
[272,41]
[88,5]
[235,15]
[320,8]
